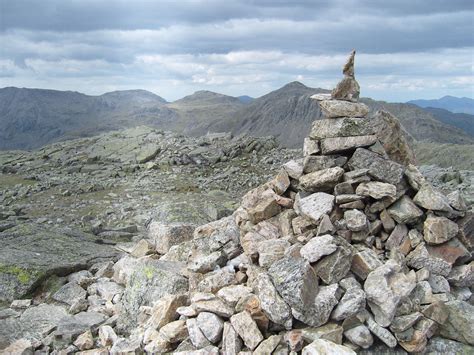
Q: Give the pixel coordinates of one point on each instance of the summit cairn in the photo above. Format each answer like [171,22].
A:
[348,88]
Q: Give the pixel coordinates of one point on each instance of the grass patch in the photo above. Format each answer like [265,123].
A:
[459,156]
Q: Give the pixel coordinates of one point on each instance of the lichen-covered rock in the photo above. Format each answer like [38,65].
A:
[341,127]
[339,108]
[404,211]
[376,189]
[438,230]
[431,199]
[458,326]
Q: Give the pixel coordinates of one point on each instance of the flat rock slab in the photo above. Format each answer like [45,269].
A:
[341,127]
[339,108]
[341,144]
[29,253]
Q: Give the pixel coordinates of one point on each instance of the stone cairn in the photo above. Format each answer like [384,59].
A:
[346,249]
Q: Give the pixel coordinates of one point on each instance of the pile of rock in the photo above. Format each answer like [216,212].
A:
[347,249]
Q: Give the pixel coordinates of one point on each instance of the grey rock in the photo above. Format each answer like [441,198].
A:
[341,127]
[315,205]
[175,331]
[399,233]
[457,201]
[334,267]
[431,199]
[376,189]
[383,334]
[310,147]
[360,335]
[437,230]
[321,346]
[415,177]
[380,168]
[247,329]
[214,281]
[350,304]
[356,220]
[195,334]
[338,108]
[125,346]
[321,180]
[271,250]
[342,144]
[404,211]
[296,282]
[458,326]
[319,162]
[70,293]
[462,275]
[272,304]
[319,312]
[318,247]
[231,342]
[164,236]
[364,262]
[402,323]
[438,345]
[439,284]
[294,168]
[268,345]
[211,326]
[420,257]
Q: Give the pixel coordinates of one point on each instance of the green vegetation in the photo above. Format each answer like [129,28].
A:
[459,156]
[24,276]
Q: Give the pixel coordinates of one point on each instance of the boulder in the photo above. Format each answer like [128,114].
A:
[164,236]
[321,180]
[318,247]
[341,127]
[458,326]
[431,199]
[339,108]
[356,221]
[342,144]
[376,190]
[211,326]
[247,329]
[315,205]
[438,230]
[404,211]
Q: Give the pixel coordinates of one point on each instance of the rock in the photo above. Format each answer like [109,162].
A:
[268,345]
[360,336]
[315,205]
[416,344]
[458,326]
[399,233]
[456,201]
[271,302]
[342,144]
[164,310]
[214,305]
[231,342]
[402,323]
[350,304]
[271,250]
[319,162]
[431,199]
[195,334]
[462,275]
[437,230]
[310,147]
[21,304]
[85,341]
[404,211]
[234,293]
[334,267]
[164,236]
[318,247]
[383,334]
[142,248]
[329,331]
[415,177]
[321,180]
[437,311]
[211,326]
[319,312]
[296,282]
[215,280]
[107,336]
[324,347]
[378,167]
[20,347]
[30,252]
[341,127]
[364,262]
[125,346]
[338,108]
[265,209]
[420,258]
[348,88]
[376,190]
[439,284]
[294,168]
[466,230]
[175,331]
[105,289]
[247,329]
[356,221]
[438,345]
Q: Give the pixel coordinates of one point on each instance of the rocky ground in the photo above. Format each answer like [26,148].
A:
[136,241]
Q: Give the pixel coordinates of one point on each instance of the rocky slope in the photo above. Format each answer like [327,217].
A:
[348,249]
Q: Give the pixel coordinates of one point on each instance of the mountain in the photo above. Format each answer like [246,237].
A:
[450,103]
[31,118]
[246,99]
[463,121]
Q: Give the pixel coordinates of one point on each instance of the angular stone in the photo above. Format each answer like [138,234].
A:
[107,336]
[334,267]
[310,147]
[70,293]
[416,344]
[211,326]
[380,168]
[458,326]
[338,108]
[318,247]
[376,189]
[85,341]
[420,258]
[231,342]
[342,144]
[271,250]
[214,305]
[329,331]
[360,335]
[21,346]
[164,310]
[268,345]
[280,182]
[462,275]
[439,284]
[319,312]
[265,209]
[164,236]
[294,168]
[350,304]
[142,248]
[232,294]
[387,222]
[315,205]
[404,211]
[295,281]
[126,346]
[356,220]
[402,323]
[319,162]
[325,226]
[437,230]
[437,311]
[431,199]
[415,177]
[397,236]
[438,345]
[344,188]
[456,201]
[341,127]
[215,280]
[452,251]
[271,302]
[247,329]
[364,262]
[175,331]
[381,333]
[466,230]
[341,199]
[195,333]
[325,347]
[321,180]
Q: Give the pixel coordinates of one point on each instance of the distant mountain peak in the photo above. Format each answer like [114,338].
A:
[295,84]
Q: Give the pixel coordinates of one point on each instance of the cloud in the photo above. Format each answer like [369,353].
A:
[405,47]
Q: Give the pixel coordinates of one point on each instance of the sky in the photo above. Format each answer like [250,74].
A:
[406,49]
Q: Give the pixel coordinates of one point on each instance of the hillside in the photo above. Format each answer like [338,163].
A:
[450,103]
[463,121]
